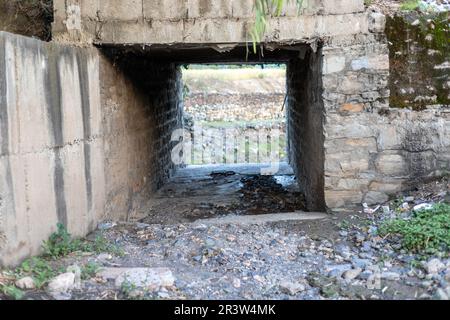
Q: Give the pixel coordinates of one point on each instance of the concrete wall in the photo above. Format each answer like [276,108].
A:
[84,135]
[199,21]
[51,159]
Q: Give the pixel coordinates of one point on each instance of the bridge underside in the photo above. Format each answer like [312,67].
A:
[94,142]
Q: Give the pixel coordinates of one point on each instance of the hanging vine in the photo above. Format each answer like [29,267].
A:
[264,9]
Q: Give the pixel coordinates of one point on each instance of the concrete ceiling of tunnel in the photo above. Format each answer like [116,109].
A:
[218,53]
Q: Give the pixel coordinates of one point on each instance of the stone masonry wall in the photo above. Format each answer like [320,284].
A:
[51,146]
[419,52]
[372,151]
[141,105]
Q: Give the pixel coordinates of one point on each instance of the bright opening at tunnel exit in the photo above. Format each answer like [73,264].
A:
[234,114]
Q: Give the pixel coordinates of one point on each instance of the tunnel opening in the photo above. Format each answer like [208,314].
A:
[234,113]
[168,178]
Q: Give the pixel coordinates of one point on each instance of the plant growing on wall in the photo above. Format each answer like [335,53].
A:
[264,9]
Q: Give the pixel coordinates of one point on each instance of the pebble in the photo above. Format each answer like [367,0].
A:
[352,274]
[336,271]
[291,288]
[61,286]
[441,294]
[434,266]
[447,275]
[391,276]
[423,206]
[146,278]
[26,283]
[361,263]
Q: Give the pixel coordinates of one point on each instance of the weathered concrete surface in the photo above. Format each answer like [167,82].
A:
[264,218]
[198,21]
[51,159]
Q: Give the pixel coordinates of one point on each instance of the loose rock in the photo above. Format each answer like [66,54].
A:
[26,283]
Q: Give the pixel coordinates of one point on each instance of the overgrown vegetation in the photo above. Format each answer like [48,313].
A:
[61,243]
[264,9]
[409,5]
[426,232]
[42,269]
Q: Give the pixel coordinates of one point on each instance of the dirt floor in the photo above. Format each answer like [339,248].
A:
[182,255]
[217,190]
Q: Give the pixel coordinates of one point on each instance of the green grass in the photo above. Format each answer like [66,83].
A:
[409,5]
[39,269]
[12,291]
[427,232]
[89,270]
[59,245]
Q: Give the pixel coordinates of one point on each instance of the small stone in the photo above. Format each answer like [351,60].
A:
[434,266]
[365,275]
[447,275]
[343,233]
[359,237]
[145,278]
[210,242]
[336,271]
[352,274]
[391,276]
[441,294]
[104,257]
[141,226]
[409,199]
[423,206]
[291,288]
[375,197]
[236,283]
[163,295]
[26,283]
[361,263]
[61,286]
[386,209]
[106,225]
[75,269]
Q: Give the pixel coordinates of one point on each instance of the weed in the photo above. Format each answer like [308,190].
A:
[409,5]
[426,232]
[89,270]
[39,269]
[11,291]
[61,244]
